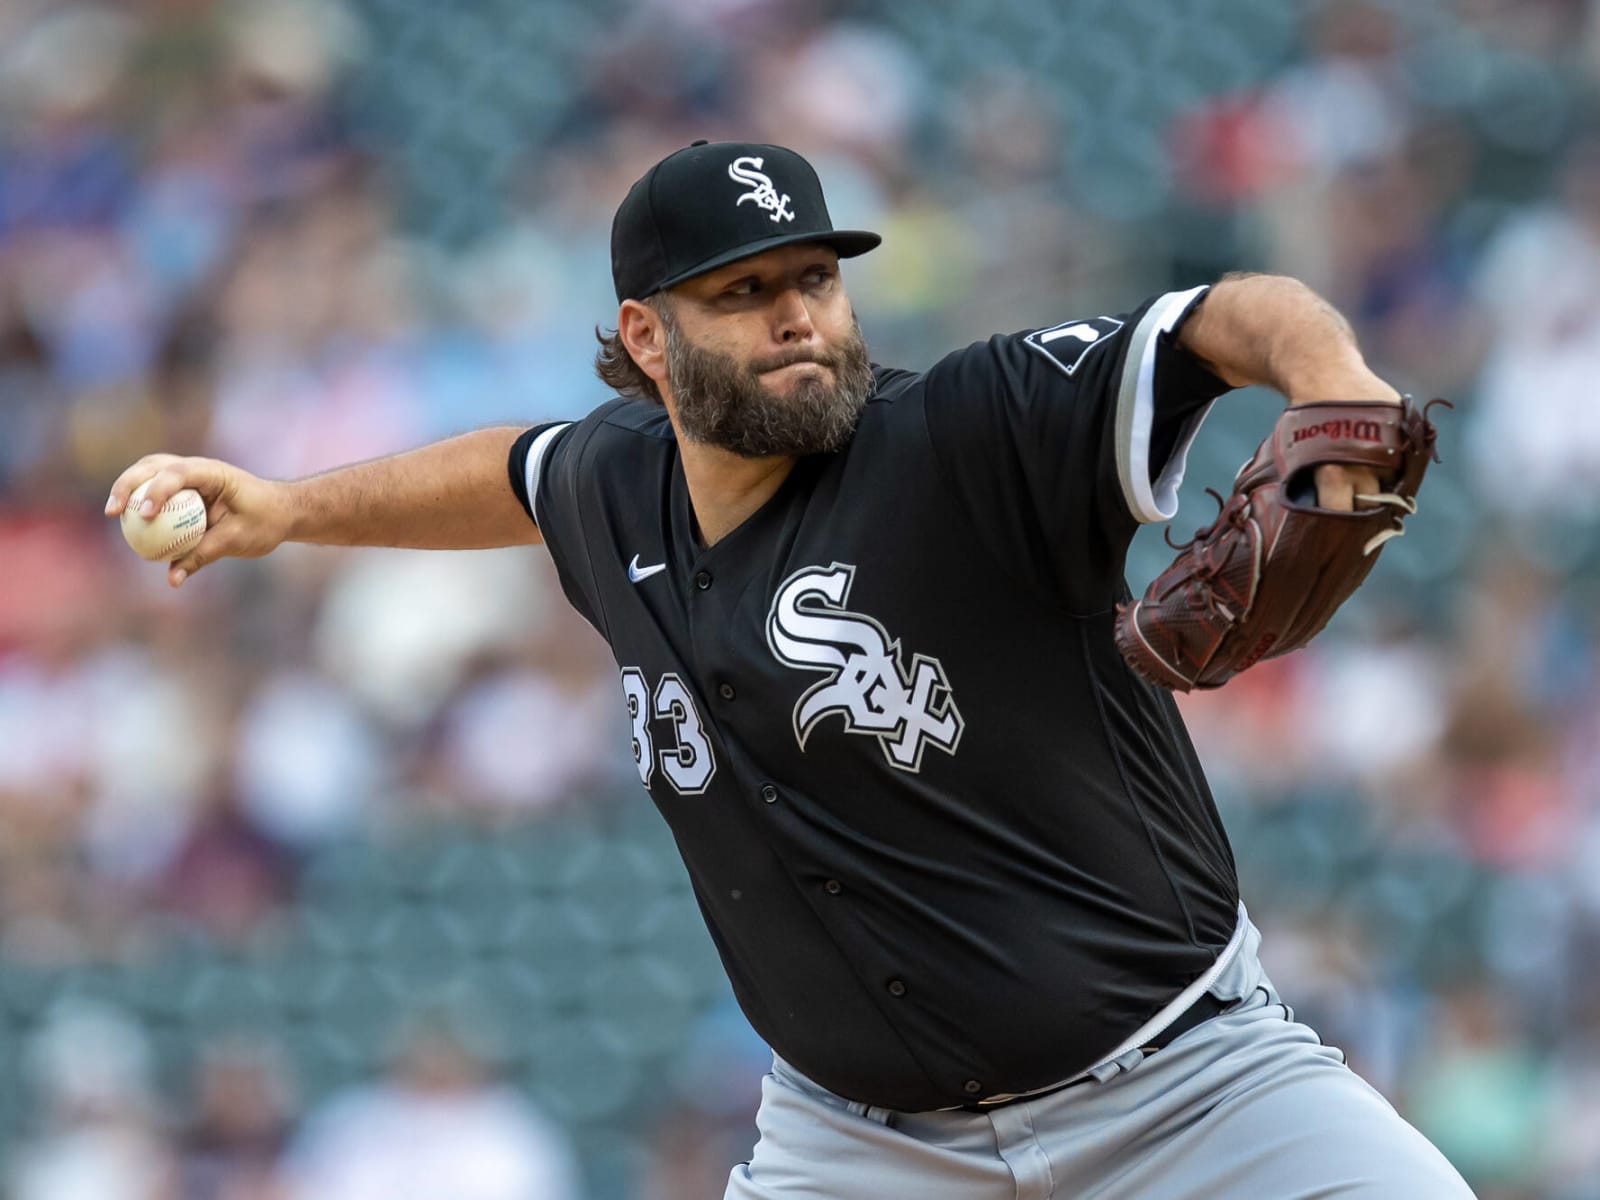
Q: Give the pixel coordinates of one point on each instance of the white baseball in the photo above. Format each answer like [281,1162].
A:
[172,532]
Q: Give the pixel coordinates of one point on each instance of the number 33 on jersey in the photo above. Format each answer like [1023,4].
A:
[689,762]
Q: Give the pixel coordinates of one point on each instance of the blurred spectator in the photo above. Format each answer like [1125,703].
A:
[710,1122]
[1484,1096]
[1343,109]
[1520,669]
[397,630]
[1345,104]
[1396,269]
[98,1133]
[30,418]
[838,86]
[242,1113]
[278,128]
[227,876]
[1574,1137]
[518,737]
[309,760]
[314,316]
[1538,289]
[66,165]
[437,1128]
[689,1155]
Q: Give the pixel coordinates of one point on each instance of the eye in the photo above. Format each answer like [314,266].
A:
[748,286]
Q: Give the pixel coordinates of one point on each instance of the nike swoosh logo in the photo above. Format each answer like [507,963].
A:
[636,572]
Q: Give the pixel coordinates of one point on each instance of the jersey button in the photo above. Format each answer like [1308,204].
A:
[769,794]
[896,988]
[972,1087]
[725,690]
[833,887]
[702,580]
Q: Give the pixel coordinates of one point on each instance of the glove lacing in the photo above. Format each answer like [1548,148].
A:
[1200,594]
[1404,503]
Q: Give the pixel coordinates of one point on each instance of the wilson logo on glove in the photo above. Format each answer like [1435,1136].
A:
[1361,431]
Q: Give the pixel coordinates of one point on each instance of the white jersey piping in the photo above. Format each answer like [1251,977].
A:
[535,461]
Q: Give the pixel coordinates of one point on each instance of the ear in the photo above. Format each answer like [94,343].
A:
[639,326]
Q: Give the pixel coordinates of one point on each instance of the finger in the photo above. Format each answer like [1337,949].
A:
[128,482]
[205,475]
[1335,489]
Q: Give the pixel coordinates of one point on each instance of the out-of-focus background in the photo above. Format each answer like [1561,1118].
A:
[330,875]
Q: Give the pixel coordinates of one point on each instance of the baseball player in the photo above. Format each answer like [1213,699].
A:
[960,863]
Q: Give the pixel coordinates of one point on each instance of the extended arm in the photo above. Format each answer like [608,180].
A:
[451,495]
[1277,332]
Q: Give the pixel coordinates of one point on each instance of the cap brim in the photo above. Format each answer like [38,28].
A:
[848,243]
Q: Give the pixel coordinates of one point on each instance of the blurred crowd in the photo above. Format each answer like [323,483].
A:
[301,233]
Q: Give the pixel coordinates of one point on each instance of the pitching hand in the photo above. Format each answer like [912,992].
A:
[246,517]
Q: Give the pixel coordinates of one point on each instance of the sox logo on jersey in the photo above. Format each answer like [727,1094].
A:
[747,170]
[808,627]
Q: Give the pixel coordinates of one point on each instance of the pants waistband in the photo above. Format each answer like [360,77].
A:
[1234,974]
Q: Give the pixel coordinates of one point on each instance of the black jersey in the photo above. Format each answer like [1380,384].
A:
[946,843]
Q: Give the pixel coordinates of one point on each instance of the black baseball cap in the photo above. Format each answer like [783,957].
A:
[712,203]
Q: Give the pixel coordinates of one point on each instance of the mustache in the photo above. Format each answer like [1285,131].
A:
[791,357]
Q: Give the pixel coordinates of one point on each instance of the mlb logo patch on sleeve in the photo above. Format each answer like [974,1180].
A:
[1069,343]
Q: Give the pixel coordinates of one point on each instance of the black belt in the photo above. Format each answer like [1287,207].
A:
[1201,1011]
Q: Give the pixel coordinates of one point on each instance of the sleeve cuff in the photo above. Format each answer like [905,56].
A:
[1151,500]
[527,460]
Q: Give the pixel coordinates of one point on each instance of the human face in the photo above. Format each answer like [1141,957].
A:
[764,357]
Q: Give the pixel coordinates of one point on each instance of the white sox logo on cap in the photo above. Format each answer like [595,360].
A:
[747,170]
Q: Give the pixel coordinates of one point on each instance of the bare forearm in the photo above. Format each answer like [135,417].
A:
[1277,332]
[450,495]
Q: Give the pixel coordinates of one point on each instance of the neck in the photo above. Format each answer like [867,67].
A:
[725,488]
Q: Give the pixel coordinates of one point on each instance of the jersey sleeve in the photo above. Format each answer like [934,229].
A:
[545,475]
[1061,440]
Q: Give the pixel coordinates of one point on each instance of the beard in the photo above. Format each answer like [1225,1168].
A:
[724,403]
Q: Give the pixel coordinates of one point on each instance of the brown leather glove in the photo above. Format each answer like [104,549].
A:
[1266,575]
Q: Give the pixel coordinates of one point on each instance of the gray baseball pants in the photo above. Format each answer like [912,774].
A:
[1249,1104]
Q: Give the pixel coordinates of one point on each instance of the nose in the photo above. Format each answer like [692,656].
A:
[791,318]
